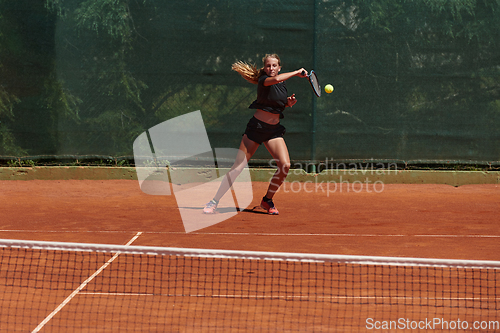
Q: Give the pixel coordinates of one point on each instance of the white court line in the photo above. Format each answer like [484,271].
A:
[254,234]
[83,285]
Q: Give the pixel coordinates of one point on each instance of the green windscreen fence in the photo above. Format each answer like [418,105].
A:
[415,81]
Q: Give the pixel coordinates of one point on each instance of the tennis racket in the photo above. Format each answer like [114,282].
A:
[313,80]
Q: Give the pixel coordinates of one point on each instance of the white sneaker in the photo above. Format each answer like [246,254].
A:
[210,207]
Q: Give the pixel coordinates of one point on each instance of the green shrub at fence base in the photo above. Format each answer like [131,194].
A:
[365,177]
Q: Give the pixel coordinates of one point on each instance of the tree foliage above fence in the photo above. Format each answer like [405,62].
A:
[415,80]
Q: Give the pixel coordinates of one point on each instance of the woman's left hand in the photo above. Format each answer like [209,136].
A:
[291,100]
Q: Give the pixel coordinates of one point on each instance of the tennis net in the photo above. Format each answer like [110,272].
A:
[63,287]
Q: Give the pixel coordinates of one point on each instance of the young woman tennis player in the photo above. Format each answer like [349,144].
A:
[264,127]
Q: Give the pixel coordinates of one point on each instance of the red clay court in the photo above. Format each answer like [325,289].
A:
[429,221]
[421,221]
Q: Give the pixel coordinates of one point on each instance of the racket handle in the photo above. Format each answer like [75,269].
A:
[303,72]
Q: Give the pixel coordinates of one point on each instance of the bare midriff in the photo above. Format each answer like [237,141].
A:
[267,117]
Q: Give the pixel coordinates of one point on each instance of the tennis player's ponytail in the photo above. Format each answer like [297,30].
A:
[250,72]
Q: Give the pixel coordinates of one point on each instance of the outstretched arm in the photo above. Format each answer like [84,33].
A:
[285,76]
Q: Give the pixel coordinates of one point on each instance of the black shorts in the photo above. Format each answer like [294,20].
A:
[259,131]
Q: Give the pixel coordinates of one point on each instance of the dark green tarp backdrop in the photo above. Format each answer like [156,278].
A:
[415,81]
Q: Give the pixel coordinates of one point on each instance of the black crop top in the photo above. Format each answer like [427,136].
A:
[272,98]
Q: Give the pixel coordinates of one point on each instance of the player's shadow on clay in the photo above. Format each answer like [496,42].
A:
[225,210]
[254,210]
[220,210]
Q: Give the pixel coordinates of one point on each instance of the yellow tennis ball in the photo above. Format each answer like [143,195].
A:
[328,88]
